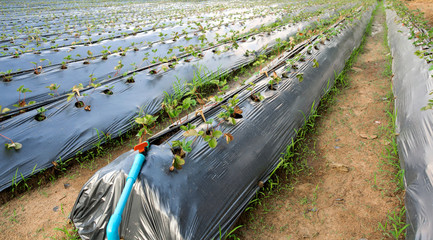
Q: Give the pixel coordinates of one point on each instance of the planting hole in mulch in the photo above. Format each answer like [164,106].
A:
[79,104]
[40,117]
[7,78]
[255,98]
[237,113]
[178,151]
[107,92]
[272,87]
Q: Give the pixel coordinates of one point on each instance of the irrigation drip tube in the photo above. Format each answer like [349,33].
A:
[204,198]
[111,115]
[412,83]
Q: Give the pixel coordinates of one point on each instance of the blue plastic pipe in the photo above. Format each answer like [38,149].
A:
[116,218]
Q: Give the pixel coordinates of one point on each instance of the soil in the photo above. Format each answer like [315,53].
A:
[425,6]
[346,194]
[41,212]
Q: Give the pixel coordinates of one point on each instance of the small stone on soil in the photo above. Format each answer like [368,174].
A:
[340,167]
[357,69]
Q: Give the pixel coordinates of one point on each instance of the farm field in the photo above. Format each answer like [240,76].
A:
[248,119]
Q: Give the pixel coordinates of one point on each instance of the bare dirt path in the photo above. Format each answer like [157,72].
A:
[349,189]
[42,213]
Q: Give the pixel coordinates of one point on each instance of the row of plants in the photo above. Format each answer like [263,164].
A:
[202,132]
[96,49]
[92,29]
[188,96]
[420,32]
[229,115]
[195,96]
[190,51]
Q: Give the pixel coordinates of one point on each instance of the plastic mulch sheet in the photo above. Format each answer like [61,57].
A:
[77,130]
[412,83]
[215,185]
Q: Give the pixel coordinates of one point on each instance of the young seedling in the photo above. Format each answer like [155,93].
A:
[211,136]
[7,76]
[41,114]
[310,50]
[53,87]
[118,67]
[63,65]
[4,110]
[14,145]
[154,71]
[75,94]
[315,63]
[37,69]
[131,78]
[145,122]
[274,81]
[232,111]
[89,56]
[22,102]
[179,149]
[300,77]
[257,97]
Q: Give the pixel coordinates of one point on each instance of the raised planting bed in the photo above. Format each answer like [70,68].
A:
[94,107]
[412,87]
[200,193]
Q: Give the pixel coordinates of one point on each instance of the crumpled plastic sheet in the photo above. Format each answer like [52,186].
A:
[412,83]
[206,197]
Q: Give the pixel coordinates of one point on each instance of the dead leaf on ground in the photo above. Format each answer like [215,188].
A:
[367,136]
[237,110]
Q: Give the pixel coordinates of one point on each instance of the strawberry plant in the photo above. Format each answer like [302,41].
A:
[275,80]
[257,97]
[75,94]
[41,114]
[180,148]
[315,63]
[145,122]
[37,69]
[232,111]
[53,87]
[7,76]
[14,145]
[22,102]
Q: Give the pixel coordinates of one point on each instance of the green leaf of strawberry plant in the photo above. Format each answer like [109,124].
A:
[315,63]
[217,134]
[213,143]
[178,162]
[190,133]
[15,145]
[300,77]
